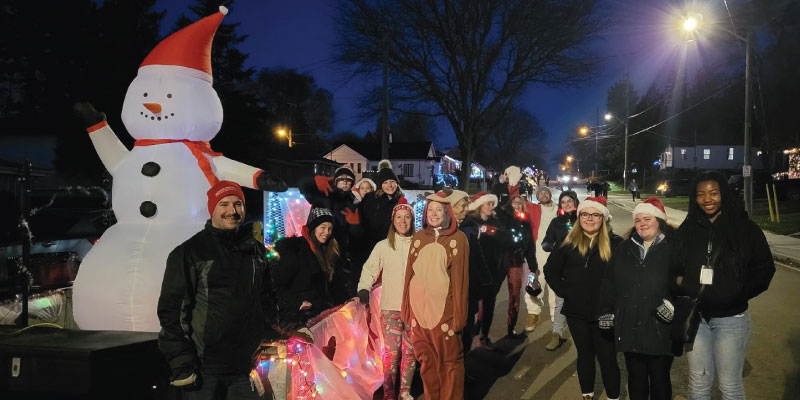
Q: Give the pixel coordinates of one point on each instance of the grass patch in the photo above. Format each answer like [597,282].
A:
[790,223]
[678,203]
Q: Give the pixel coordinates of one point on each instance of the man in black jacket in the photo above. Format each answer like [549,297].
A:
[216,303]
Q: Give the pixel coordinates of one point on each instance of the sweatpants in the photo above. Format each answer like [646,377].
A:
[593,343]
[648,376]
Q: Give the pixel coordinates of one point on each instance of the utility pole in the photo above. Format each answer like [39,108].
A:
[596,132]
[627,116]
[747,171]
[25,237]
[385,115]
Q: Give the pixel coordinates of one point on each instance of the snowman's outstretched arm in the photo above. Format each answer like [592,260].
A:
[105,141]
[247,176]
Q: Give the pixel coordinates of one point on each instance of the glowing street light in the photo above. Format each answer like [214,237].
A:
[569,158]
[608,117]
[584,130]
[689,24]
[281,131]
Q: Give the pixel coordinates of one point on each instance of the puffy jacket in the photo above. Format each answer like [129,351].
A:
[492,246]
[558,230]
[298,277]
[375,212]
[576,279]
[632,289]
[216,302]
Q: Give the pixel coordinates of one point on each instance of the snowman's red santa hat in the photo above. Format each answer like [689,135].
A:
[188,50]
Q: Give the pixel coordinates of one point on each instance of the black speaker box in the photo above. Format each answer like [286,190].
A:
[40,363]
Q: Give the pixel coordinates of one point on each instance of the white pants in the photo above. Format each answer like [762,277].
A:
[534,304]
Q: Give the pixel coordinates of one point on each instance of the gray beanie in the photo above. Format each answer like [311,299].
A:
[543,189]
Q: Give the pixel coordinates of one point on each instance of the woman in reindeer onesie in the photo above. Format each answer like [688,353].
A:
[435,299]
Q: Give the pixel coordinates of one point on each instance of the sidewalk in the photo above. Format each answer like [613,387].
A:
[784,248]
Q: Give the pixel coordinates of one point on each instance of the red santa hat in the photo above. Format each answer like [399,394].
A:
[652,206]
[189,47]
[221,190]
[598,203]
[480,198]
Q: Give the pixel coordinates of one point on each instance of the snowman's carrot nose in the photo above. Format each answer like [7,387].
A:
[154,108]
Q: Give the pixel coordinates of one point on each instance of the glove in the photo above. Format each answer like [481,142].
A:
[184,377]
[323,184]
[363,296]
[86,113]
[606,321]
[270,183]
[488,230]
[351,216]
[665,311]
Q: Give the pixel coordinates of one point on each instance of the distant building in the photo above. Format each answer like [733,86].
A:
[718,157]
[412,161]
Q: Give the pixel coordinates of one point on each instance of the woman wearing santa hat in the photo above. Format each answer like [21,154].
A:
[635,302]
[574,271]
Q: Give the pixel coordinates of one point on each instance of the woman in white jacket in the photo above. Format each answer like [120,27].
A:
[390,257]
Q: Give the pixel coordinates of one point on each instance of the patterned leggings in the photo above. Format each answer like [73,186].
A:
[514,287]
[395,335]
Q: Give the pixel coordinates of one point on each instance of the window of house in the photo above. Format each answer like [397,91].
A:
[352,167]
[706,154]
[730,153]
[359,168]
[683,154]
[408,169]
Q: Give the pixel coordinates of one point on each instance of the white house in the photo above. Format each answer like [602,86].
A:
[412,161]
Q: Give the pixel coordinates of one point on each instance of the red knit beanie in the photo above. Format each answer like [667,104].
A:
[220,191]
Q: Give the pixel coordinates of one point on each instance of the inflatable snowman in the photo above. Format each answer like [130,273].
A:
[159,189]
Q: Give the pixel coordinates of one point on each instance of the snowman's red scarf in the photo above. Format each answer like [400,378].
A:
[198,150]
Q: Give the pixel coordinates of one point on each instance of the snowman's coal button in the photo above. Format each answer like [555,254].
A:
[148,209]
[151,169]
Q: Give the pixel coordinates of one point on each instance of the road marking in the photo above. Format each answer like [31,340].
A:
[795,269]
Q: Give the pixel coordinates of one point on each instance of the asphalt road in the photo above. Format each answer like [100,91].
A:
[523,369]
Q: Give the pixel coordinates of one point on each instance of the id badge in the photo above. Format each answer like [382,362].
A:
[706,275]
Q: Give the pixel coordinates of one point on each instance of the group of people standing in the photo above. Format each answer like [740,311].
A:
[439,284]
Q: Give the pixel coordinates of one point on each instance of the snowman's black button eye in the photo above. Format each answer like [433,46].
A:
[145,94]
[169,95]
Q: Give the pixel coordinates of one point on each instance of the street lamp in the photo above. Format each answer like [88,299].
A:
[609,117]
[690,24]
[285,132]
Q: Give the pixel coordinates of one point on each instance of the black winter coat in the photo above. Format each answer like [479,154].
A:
[375,213]
[577,278]
[216,301]
[522,245]
[558,230]
[479,274]
[298,277]
[632,289]
[733,285]
[492,246]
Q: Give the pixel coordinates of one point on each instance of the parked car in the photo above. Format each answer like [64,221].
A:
[759,185]
[674,187]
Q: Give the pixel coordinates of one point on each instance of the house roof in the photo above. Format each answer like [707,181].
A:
[397,151]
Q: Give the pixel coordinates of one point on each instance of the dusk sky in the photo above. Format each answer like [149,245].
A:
[300,34]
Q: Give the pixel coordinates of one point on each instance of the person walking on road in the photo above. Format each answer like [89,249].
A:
[574,271]
[557,231]
[540,216]
[634,189]
[724,260]
[635,302]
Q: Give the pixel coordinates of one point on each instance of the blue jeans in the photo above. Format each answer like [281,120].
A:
[719,348]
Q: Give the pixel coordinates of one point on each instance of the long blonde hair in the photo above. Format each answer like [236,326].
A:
[578,239]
